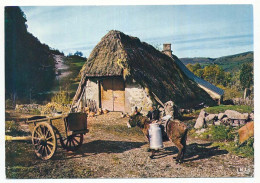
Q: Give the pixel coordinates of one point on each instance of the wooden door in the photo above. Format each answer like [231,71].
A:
[119,94]
[113,94]
[107,94]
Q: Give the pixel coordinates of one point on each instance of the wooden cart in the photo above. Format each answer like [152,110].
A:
[68,129]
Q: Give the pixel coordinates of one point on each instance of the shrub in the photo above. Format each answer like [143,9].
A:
[8,103]
[221,133]
[61,97]
[11,126]
[245,150]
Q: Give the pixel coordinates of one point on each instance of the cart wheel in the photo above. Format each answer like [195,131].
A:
[72,142]
[44,140]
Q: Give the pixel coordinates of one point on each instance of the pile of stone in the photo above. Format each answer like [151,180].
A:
[50,108]
[229,117]
[28,108]
[53,107]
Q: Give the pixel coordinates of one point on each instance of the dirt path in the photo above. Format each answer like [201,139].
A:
[60,65]
[111,150]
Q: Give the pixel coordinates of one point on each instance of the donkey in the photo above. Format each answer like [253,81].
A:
[175,130]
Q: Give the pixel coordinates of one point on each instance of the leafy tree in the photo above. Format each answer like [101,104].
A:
[246,75]
[78,53]
[29,65]
[199,73]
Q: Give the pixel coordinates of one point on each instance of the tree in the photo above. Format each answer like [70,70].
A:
[78,53]
[246,75]
[29,65]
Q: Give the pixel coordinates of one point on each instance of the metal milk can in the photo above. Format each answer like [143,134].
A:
[155,136]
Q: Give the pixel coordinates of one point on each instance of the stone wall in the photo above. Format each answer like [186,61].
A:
[92,93]
[136,96]
[241,101]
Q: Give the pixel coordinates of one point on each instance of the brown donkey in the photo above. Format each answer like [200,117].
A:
[176,132]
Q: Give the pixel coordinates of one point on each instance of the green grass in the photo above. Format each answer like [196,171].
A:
[78,64]
[223,108]
[244,150]
[219,133]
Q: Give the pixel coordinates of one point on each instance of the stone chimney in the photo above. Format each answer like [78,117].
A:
[167,49]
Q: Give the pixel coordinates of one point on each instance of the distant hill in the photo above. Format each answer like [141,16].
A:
[228,63]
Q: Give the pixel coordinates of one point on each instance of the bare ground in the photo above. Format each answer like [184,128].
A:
[111,150]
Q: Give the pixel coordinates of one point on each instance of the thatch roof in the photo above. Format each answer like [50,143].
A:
[118,54]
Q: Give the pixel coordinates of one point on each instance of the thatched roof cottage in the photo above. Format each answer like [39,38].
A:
[122,72]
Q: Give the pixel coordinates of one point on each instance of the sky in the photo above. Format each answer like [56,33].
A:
[193,30]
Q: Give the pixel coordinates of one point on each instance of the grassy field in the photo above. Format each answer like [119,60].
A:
[223,108]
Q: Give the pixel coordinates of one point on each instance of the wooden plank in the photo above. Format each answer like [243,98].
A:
[44,119]
[107,94]
[119,94]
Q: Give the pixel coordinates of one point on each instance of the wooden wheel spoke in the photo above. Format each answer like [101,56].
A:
[38,150]
[45,131]
[76,140]
[48,133]
[41,131]
[48,148]
[70,143]
[36,141]
[50,143]
[45,150]
[38,133]
[73,142]
[49,138]
[67,142]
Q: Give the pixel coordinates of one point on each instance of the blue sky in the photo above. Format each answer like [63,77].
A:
[193,30]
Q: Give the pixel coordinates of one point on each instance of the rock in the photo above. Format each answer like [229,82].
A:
[200,122]
[236,115]
[200,131]
[246,132]
[246,116]
[217,123]
[225,120]
[203,114]
[251,116]
[221,116]
[210,117]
